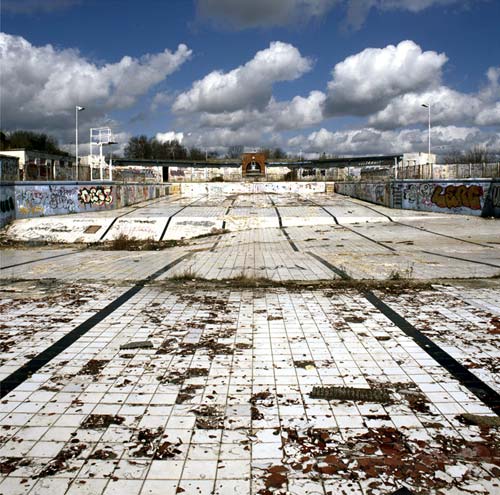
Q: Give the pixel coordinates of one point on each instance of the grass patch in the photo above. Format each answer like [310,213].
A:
[126,243]
[244,280]
[406,274]
[187,275]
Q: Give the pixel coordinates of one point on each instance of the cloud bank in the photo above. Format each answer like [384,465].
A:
[42,85]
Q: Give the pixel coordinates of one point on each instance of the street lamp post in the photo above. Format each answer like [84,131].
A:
[77,109]
[428,106]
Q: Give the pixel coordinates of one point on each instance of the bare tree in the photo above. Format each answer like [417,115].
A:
[477,154]
[235,151]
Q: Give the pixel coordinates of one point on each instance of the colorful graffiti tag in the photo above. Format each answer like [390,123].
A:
[98,195]
[62,198]
[418,193]
[458,196]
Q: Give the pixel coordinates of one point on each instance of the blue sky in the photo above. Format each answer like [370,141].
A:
[340,76]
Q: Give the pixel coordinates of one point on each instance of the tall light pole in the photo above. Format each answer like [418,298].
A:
[77,109]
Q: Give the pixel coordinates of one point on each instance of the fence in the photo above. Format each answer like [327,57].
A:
[422,172]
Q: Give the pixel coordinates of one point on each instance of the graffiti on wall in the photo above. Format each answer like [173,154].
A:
[458,196]
[495,196]
[377,193]
[450,198]
[46,200]
[7,205]
[419,193]
[62,198]
[95,195]
[31,201]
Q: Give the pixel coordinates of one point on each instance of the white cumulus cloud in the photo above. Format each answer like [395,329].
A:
[448,106]
[248,86]
[163,137]
[366,82]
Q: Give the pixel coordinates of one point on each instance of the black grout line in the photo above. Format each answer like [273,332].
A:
[33,365]
[370,208]
[225,215]
[166,227]
[381,244]
[285,233]
[325,210]
[444,235]
[418,228]
[341,273]
[216,243]
[176,213]
[351,229]
[480,389]
[461,259]
[280,222]
[42,259]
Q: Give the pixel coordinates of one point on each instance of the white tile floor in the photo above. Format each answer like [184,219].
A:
[251,344]
[220,404]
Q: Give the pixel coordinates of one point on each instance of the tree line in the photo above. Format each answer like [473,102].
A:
[477,154]
[33,141]
[144,148]
[149,148]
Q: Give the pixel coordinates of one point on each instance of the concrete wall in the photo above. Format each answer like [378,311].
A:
[374,192]
[38,199]
[195,189]
[273,173]
[7,204]
[203,174]
[464,197]
[153,175]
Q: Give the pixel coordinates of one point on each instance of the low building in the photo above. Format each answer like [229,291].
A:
[37,165]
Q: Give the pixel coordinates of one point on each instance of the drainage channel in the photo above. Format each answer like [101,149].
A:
[32,366]
[480,389]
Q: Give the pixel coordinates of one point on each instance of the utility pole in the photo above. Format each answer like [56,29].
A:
[77,109]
